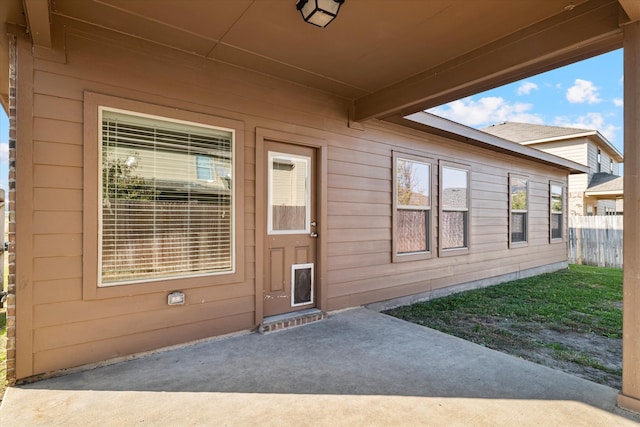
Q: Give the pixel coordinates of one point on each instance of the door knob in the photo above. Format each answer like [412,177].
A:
[314,234]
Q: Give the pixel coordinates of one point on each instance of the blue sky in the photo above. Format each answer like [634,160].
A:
[4,151]
[586,95]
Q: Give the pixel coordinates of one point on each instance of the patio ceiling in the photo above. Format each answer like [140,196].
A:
[388,57]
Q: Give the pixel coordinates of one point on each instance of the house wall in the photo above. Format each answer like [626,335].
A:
[60,326]
[573,149]
[584,151]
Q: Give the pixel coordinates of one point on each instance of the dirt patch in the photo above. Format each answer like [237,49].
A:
[587,355]
[569,320]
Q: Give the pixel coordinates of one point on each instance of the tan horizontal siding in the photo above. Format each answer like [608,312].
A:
[49,130]
[125,344]
[359,235]
[354,169]
[80,311]
[355,248]
[57,268]
[336,180]
[361,260]
[70,329]
[50,337]
[382,196]
[47,176]
[365,158]
[56,108]
[364,222]
[57,222]
[56,291]
[51,153]
[57,245]
[358,209]
[57,199]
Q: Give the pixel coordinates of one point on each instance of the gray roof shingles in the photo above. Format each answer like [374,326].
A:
[605,182]
[523,132]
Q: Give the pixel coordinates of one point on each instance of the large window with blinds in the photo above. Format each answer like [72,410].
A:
[167,198]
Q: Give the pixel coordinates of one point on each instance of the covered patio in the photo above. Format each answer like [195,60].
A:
[256,69]
[359,367]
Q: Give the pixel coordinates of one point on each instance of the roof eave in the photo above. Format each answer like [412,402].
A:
[559,138]
[617,155]
[439,126]
[604,193]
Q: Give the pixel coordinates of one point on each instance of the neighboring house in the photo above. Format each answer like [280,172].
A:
[599,192]
[266,166]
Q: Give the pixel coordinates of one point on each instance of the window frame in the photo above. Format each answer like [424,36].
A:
[563,213]
[92,205]
[443,252]
[412,256]
[513,244]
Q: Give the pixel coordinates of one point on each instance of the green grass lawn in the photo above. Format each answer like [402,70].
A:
[572,318]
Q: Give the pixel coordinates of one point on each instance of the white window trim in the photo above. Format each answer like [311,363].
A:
[307,219]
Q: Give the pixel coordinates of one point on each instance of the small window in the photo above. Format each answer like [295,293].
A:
[454,209]
[412,208]
[203,168]
[557,211]
[599,161]
[519,201]
[164,213]
[611,166]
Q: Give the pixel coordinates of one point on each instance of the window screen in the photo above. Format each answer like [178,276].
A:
[454,223]
[167,199]
[519,208]
[413,206]
[556,211]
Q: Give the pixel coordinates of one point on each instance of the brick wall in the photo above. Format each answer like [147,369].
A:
[11,285]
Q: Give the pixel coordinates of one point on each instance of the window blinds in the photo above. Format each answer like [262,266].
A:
[162,216]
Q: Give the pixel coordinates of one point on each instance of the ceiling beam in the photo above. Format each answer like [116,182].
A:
[632,8]
[589,29]
[38,21]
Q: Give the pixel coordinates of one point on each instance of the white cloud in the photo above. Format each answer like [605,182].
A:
[618,102]
[583,91]
[486,111]
[4,152]
[526,88]
[593,121]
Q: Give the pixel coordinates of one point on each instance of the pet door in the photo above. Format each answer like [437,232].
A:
[302,284]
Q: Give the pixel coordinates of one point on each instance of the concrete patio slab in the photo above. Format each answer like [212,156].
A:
[358,367]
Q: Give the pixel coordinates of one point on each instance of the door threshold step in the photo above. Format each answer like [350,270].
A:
[291,320]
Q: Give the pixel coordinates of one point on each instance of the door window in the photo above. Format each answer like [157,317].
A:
[289,194]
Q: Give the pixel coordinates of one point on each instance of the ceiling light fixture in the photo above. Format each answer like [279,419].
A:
[319,12]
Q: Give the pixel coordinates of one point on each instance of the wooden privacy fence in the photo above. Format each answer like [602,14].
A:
[596,240]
